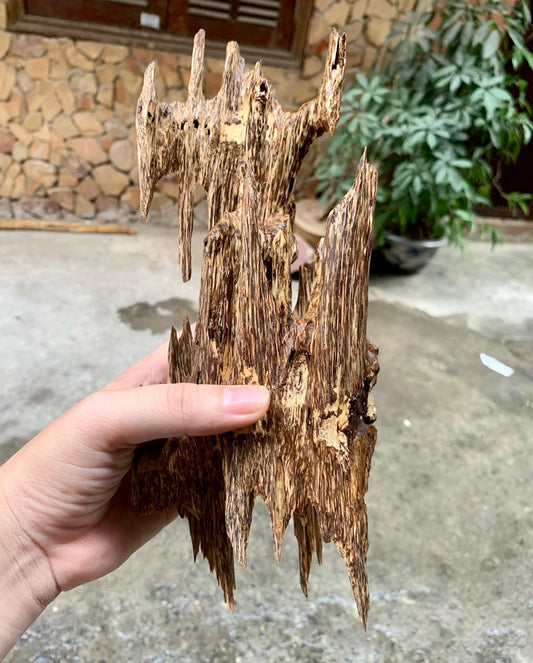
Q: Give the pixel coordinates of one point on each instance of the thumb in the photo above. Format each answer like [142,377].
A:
[126,417]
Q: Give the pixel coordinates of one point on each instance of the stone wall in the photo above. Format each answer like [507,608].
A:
[67,111]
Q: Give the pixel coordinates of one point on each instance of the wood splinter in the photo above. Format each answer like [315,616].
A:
[309,458]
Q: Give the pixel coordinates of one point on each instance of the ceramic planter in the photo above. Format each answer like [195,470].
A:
[403,255]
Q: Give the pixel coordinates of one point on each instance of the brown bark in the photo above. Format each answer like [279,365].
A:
[309,457]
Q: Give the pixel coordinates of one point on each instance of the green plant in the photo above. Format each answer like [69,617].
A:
[438,118]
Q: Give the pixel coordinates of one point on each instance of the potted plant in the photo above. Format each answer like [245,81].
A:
[436,118]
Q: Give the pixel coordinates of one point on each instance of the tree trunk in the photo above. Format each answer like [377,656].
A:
[309,457]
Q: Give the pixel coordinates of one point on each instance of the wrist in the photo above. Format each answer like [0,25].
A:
[26,581]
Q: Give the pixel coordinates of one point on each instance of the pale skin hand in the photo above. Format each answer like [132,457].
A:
[65,515]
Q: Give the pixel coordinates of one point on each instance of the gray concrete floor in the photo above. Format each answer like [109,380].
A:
[451,494]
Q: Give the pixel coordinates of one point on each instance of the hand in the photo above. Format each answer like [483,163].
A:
[65,512]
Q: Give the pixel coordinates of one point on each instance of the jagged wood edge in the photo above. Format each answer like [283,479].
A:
[308,529]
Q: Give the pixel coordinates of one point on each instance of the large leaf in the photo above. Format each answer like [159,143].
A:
[491,44]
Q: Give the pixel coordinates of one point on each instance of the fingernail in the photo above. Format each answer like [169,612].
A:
[246,399]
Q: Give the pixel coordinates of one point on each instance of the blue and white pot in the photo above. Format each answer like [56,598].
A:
[406,256]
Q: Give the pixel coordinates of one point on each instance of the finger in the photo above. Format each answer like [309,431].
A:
[118,418]
[105,547]
[152,369]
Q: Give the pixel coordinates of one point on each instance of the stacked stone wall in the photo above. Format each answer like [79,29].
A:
[67,111]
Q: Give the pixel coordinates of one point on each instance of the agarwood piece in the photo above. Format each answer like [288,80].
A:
[204,141]
[309,458]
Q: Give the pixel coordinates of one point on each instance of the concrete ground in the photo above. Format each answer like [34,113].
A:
[451,490]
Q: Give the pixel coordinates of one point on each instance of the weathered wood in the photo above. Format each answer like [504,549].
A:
[309,458]
[65,226]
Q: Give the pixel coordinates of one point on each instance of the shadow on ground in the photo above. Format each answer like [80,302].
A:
[158,317]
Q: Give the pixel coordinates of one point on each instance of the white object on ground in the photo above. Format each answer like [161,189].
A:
[495,365]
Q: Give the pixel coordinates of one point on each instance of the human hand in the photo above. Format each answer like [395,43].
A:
[65,511]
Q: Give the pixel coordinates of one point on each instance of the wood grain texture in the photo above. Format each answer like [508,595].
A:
[309,458]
